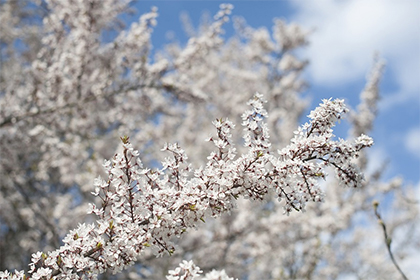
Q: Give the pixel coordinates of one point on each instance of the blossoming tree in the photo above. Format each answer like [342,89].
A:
[69,100]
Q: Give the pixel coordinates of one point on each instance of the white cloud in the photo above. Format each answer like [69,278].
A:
[348,33]
[412,141]
[377,160]
[398,98]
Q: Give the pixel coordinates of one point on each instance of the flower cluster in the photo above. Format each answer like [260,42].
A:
[71,90]
[189,271]
[144,208]
[81,78]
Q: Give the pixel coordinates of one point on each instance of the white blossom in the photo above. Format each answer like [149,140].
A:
[69,95]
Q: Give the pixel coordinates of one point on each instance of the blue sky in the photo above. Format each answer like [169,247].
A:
[346,35]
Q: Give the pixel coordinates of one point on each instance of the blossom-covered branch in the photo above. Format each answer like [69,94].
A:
[144,208]
[74,77]
[189,271]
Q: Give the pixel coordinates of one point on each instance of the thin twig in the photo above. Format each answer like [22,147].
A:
[388,239]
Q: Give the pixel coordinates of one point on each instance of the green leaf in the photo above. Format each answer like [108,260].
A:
[124,139]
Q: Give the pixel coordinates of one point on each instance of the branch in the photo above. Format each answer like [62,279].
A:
[388,239]
[143,208]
